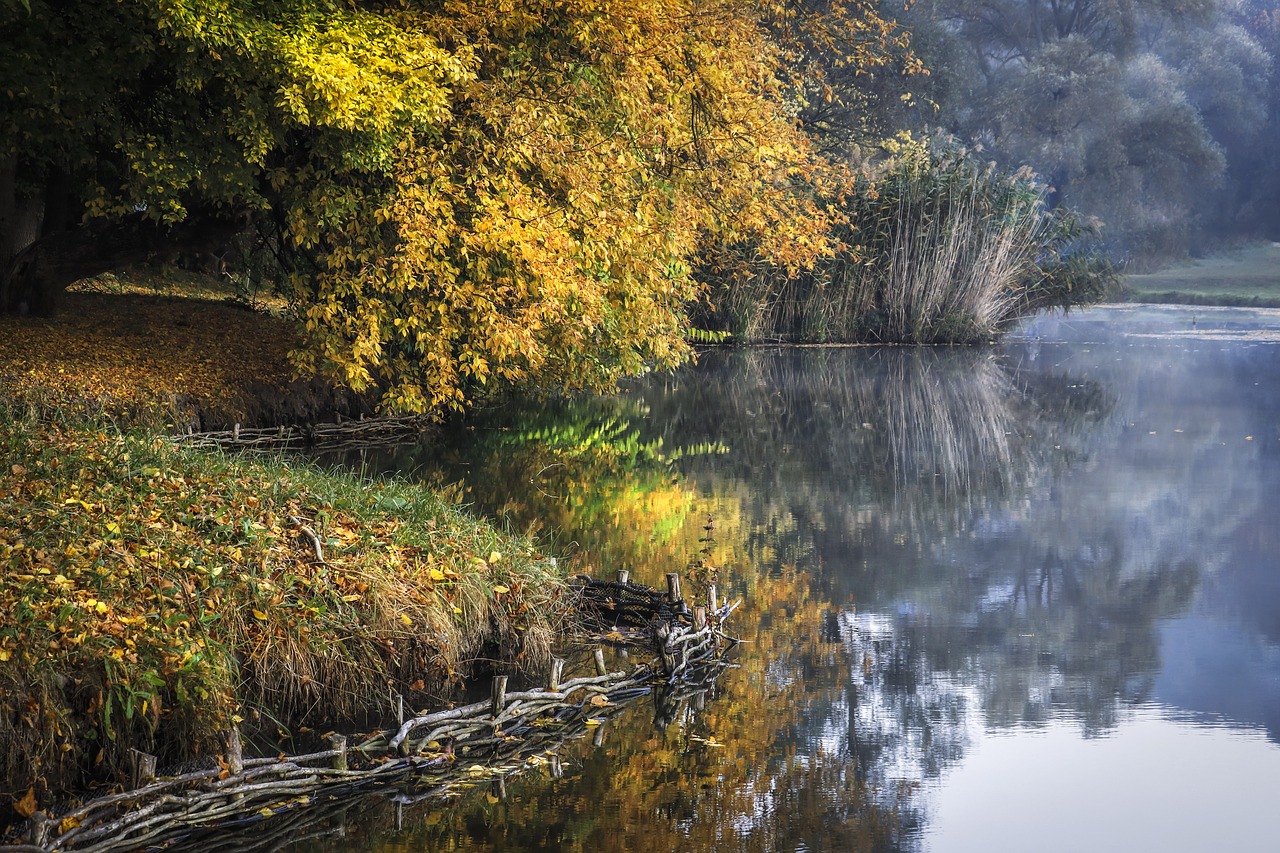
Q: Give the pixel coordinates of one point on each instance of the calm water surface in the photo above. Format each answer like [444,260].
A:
[994,600]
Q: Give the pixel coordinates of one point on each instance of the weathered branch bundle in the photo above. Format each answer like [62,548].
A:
[425,756]
[344,434]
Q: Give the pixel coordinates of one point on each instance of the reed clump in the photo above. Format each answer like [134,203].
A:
[933,246]
[153,595]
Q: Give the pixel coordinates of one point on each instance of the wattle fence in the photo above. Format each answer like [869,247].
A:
[424,756]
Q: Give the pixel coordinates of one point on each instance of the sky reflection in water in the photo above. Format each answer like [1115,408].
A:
[999,600]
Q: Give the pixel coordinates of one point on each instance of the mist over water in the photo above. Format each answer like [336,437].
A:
[1023,598]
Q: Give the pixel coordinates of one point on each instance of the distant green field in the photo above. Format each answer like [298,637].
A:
[1247,276]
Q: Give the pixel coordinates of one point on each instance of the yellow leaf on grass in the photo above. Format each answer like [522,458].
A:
[5,654]
[494,556]
[259,615]
[500,589]
[437,575]
[405,619]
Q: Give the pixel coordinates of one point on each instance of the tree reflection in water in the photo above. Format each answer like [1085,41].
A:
[926,541]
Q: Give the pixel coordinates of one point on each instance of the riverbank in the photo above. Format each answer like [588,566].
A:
[1248,276]
[155,594]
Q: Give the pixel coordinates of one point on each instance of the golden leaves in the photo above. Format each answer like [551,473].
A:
[546,231]
[26,806]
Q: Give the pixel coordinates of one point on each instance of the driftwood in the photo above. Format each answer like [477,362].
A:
[427,756]
[343,434]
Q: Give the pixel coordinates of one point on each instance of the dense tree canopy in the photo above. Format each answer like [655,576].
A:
[456,192]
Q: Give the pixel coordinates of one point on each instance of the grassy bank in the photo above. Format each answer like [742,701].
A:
[152,595]
[1248,276]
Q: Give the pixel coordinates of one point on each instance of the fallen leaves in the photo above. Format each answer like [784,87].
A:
[177,576]
[116,353]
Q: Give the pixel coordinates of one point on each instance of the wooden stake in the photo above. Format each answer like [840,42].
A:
[699,617]
[557,670]
[623,575]
[601,669]
[399,710]
[598,740]
[41,828]
[673,587]
[144,768]
[713,598]
[339,743]
[498,696]
[235,752]
[235,432]
[557,771]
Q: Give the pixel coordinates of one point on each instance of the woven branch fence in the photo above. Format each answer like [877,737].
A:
[426,756]
[343,434]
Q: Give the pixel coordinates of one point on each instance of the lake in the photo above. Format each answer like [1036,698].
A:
[1024,597]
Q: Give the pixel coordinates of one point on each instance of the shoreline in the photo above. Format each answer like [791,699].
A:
[153,594]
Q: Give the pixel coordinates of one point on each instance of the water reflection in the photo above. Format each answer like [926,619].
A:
[950,558]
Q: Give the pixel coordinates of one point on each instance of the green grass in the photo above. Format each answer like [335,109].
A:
[1249,276]
[151,595]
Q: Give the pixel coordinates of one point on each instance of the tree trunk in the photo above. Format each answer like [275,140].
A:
[20,219]
[36,275]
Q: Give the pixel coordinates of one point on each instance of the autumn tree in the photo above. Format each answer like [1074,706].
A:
[458,193]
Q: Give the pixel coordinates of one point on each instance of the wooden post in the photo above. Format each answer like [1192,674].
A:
[673,588]
[41,828]
[498,696]
[143,766]
[399,710]
[601,669]
[598,740]
[399,816]
[663,634]
[699,617]
[235,752]
[235,432]
[500,788]
[557,670]
[339,743]
[713,598]
[623,575]
[557,771]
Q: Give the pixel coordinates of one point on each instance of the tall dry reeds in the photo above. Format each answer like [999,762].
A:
[936,247]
